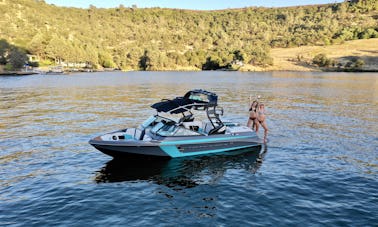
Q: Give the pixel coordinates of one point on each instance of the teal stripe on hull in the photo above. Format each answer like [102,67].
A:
[203,140]
[172,151]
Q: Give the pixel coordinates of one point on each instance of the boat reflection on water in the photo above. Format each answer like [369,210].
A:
[181,172]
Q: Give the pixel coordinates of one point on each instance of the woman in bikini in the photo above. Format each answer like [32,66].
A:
[261,120]
[252,114]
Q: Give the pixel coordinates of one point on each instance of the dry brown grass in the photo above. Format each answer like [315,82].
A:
[300,58]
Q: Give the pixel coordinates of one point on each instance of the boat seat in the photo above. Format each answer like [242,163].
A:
[194,125]
[221,129]
[135,133]
[207,126]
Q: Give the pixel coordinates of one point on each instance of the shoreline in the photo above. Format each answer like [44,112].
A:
[17,73]
[20,73]
[293,59]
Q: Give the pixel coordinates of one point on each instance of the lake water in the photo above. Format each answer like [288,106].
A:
[320,166]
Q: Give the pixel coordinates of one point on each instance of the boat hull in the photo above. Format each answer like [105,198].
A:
[177,147]
[128,150]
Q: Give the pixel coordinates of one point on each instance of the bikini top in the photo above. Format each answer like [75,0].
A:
[254,108]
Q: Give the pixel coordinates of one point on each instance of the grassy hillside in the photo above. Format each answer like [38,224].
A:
[301,58]
[158,39]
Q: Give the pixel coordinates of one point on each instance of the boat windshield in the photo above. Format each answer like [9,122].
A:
[162,129]
[157,127]
[154,120]
[199,97]
[148,122]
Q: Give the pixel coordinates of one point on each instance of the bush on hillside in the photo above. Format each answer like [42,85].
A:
[322,60]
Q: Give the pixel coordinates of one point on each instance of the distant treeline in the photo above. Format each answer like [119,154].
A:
[158,39]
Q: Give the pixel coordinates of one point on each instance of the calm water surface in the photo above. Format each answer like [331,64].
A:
[320,166]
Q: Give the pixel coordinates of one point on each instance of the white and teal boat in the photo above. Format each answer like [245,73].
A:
[187,135]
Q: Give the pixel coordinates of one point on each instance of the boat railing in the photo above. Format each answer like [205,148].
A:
[189,106]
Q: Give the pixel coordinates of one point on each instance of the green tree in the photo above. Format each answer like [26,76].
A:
[322,60]
[106,60]
[211,64]
[259,55]
[56,49]
[359,63]
[38,44]
[91,55]
[17,58]
[145,61]
[238,55]
[368,33]
[12,56]
[4,47]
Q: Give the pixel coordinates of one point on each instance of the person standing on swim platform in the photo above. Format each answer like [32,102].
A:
[261,119]
[252,113]
[257,117]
